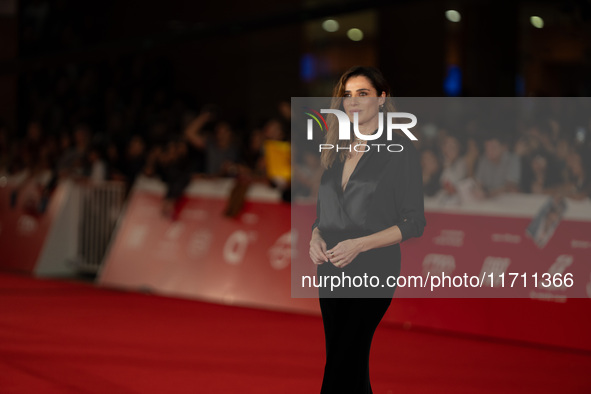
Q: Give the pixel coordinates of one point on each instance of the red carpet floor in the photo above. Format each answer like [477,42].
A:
[67,337]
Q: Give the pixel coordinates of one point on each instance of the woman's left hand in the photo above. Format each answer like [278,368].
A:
[344,252]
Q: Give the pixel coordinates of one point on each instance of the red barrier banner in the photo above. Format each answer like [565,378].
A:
[486,256]
[506,248]
[489,236]
[246,260]
[204,254]
[540,311]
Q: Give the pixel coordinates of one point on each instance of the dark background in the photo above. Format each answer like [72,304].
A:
[129,64]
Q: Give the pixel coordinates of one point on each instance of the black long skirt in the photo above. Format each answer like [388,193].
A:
[349,325]
[350,318]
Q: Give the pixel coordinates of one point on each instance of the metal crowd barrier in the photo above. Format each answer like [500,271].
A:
[99,208]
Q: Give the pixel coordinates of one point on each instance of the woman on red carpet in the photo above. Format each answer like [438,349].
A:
[369,201]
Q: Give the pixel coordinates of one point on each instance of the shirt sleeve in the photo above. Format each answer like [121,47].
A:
[317,221]
[409,195]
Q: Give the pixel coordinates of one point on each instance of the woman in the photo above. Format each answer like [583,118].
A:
[368,203]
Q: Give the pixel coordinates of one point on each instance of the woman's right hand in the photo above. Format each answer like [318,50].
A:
[318,248]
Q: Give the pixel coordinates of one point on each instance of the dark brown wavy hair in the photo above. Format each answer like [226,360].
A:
[378,82]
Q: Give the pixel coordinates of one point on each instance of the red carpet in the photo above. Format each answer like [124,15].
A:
[66,337]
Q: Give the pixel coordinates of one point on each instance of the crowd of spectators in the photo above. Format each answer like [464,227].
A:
[539,157]
[119,120]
